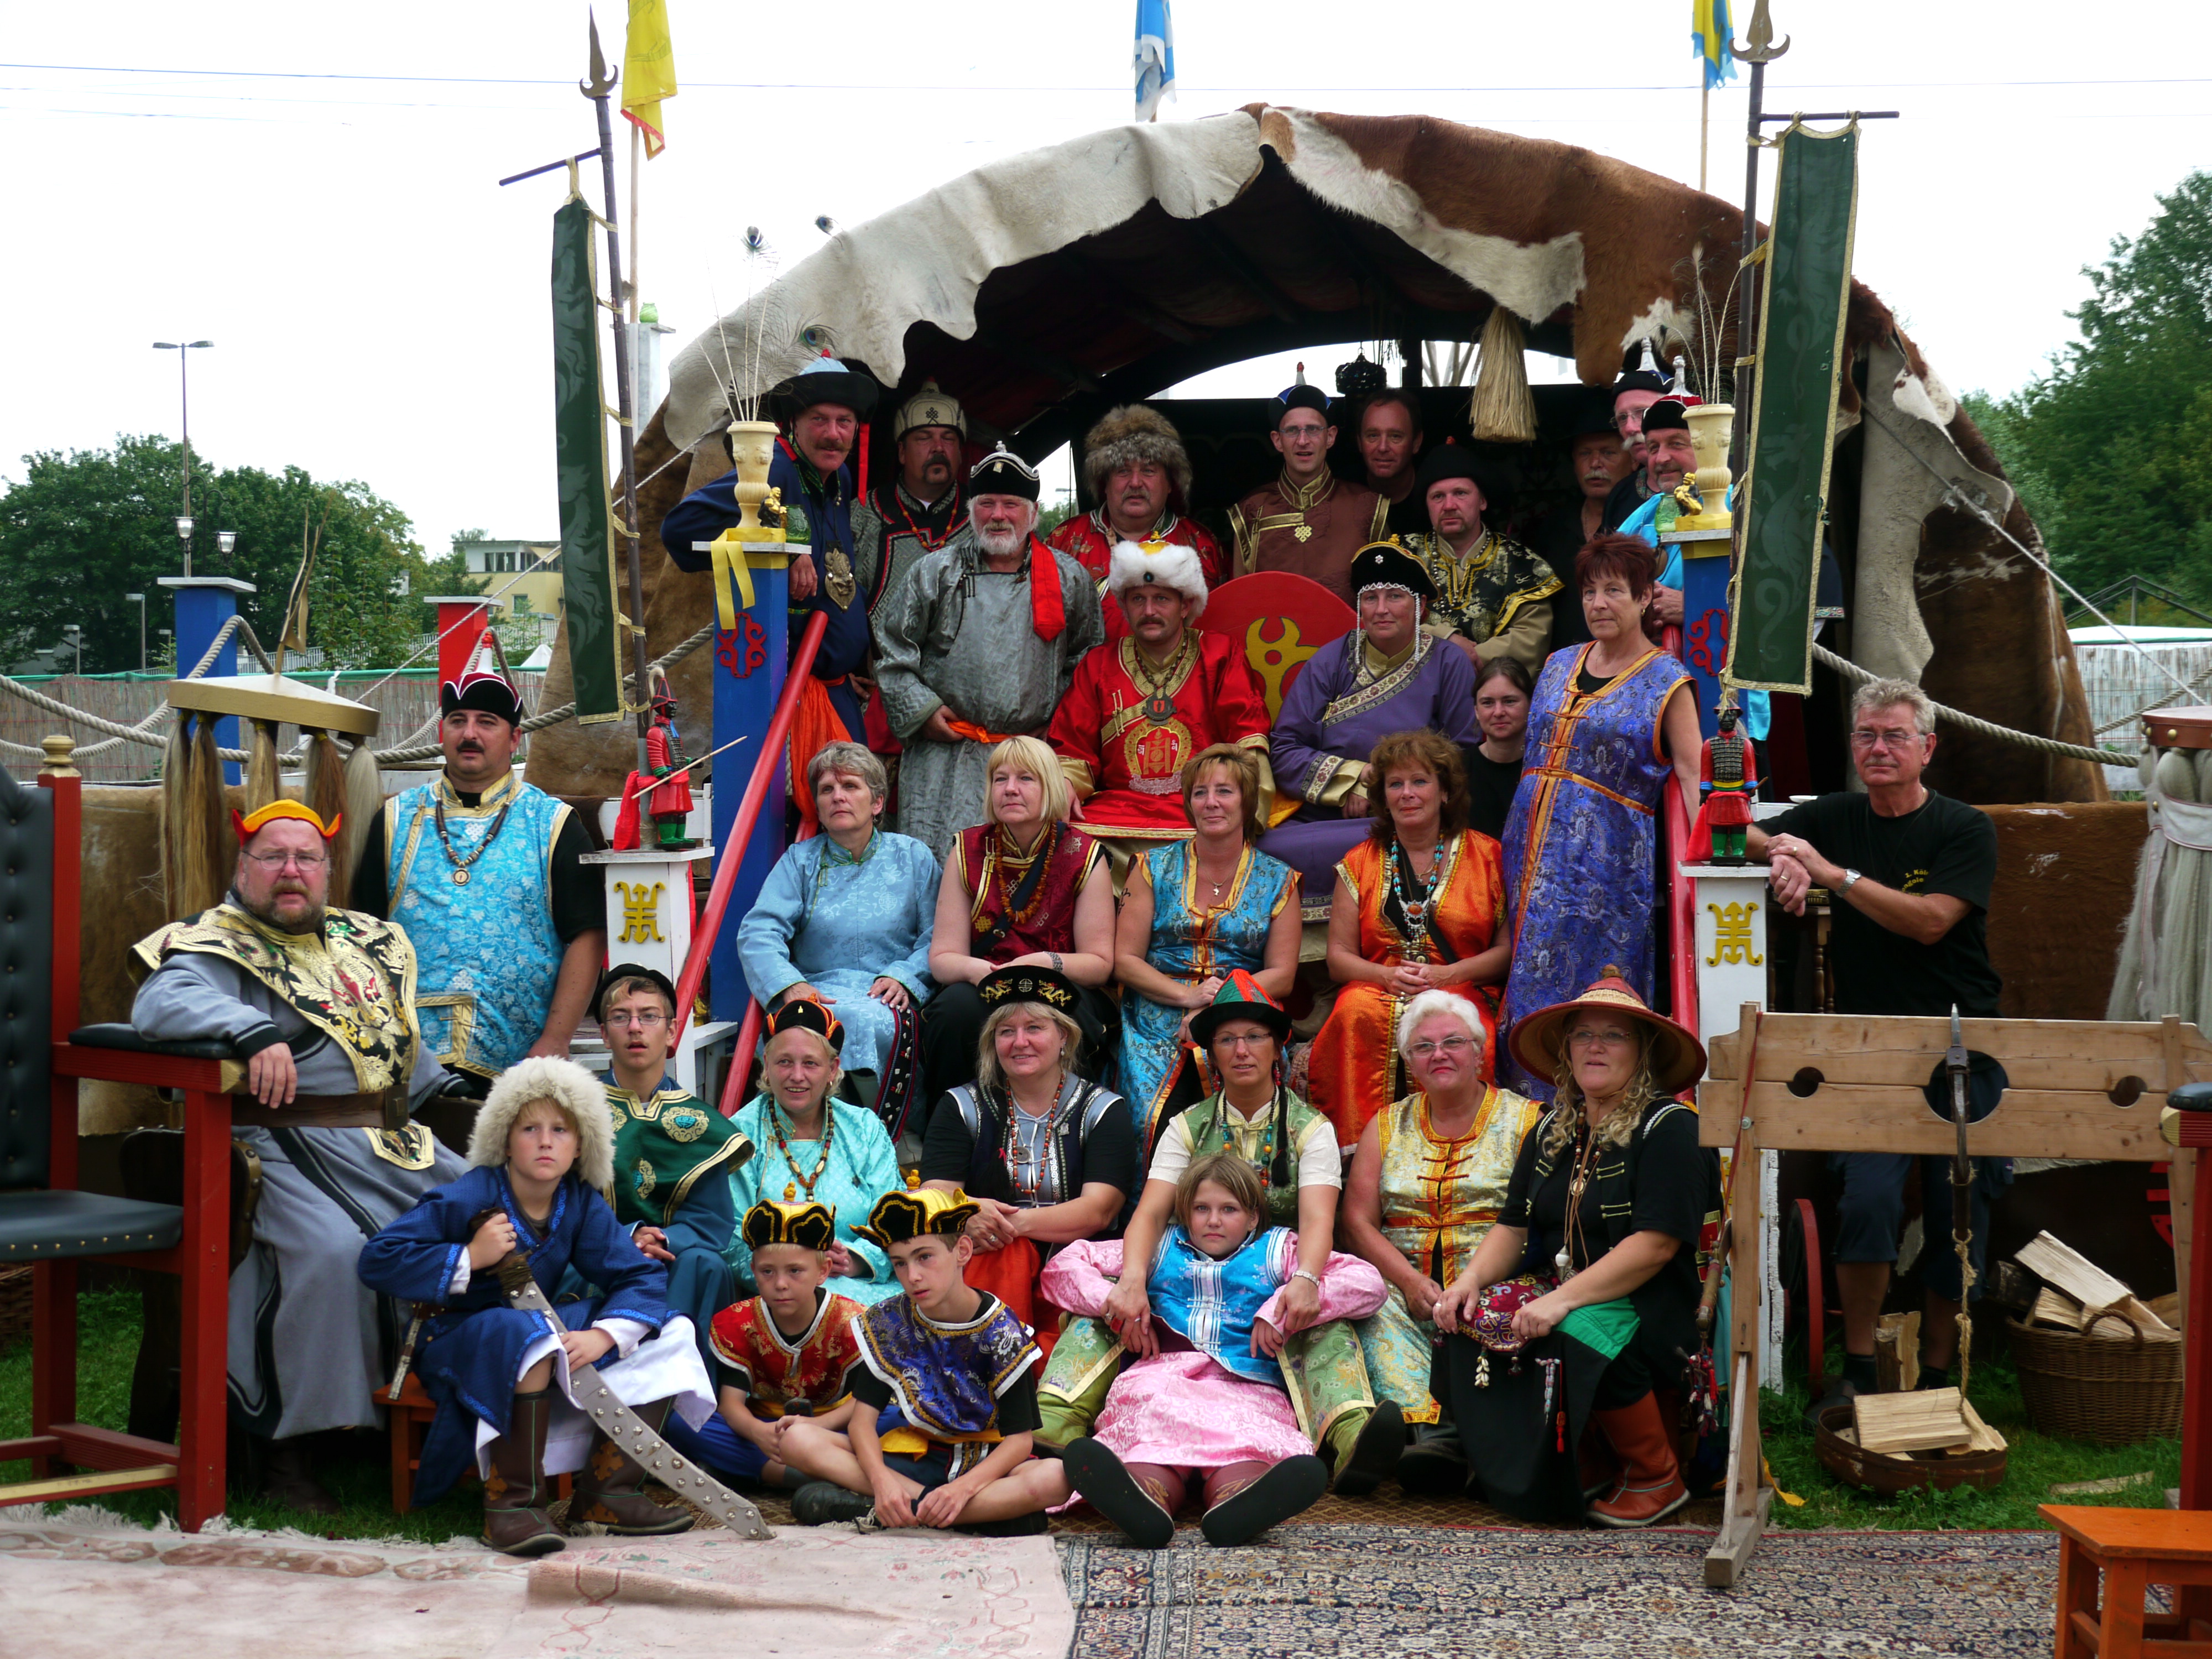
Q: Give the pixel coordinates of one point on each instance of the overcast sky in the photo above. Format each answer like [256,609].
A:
[313,189]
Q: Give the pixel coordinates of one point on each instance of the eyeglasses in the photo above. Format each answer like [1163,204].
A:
[1452,1045]
[1582,1038]
[1861,739]
[1243,1040]
[301,862]
[646,1021]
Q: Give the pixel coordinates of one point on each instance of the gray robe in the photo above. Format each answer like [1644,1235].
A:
[309,1343]
[958,635]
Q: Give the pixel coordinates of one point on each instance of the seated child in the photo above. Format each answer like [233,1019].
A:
[947,1392]
[782,1357]
[1210,1409]
[674,1154]
[541,1150]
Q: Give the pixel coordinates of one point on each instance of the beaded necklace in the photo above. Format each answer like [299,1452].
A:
[1159,707]
[1578,1184]
[1415,904]
[460,864]
[1047,1130]
[930,541]
[800,1178]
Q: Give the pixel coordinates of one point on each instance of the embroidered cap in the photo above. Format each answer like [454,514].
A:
[1539,1040]
[1387,565]
[899,1217]
[931,407]
[247,824]
[810,1226]
[1240,997]
[805,1014]
[1002,472]
[1004,986]
[488,694]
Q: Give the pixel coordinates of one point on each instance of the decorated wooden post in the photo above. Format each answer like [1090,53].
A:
[649,917]
[205,604]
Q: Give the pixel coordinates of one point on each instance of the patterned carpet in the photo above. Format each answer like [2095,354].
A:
[1341,1591]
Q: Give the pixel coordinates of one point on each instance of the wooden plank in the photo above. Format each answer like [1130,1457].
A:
[2054,1308]
[1897,1353]
[1986,1437]
[86,1485]
[1854,1118]
[1733,1544]
[2050,1259]
[1929,1420]
[2094,1071]
[1839,1036]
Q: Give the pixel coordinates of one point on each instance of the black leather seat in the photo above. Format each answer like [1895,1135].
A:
[118,1035]
[48,1226]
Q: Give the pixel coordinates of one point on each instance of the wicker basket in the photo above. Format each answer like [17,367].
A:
[15,1305]
[2099,1389]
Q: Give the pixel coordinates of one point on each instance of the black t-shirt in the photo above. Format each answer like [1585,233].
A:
[1017,1407]
[1490,787]
[579,897]
[1108,1153]
[1942,846]
[1409,517]
[1558,541]
[1627,496]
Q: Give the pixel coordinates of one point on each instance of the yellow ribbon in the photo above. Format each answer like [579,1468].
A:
[728,552]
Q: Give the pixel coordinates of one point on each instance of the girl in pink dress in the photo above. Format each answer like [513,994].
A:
[1207,1408]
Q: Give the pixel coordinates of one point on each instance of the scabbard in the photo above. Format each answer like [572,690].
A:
[681,1475]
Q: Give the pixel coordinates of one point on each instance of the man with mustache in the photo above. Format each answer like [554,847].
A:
[976,646]
[486,875]
[318,1003]
[1493,596]
[923,508]
[1632,394]
[1599,461]
[1135,466]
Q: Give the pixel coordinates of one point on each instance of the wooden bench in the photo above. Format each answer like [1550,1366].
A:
[2129,1550]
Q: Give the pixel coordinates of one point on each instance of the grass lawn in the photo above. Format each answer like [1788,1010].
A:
[354,1468]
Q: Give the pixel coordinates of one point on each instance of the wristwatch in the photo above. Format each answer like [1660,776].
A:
[1851,878]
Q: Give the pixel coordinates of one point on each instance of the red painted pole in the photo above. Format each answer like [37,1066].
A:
[770,758]
[741,1058]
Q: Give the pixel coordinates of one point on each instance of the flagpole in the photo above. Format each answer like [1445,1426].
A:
[1758,53]
[636,142]
[1705,126]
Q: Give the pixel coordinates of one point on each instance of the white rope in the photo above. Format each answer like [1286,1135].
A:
[1858,676]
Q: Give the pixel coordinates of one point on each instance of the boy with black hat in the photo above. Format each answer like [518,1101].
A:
[673,1153]
[1493,596]
[1309,521]
[486,874]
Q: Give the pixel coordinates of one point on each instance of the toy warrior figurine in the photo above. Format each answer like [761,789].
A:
[671,800]
[1731,779]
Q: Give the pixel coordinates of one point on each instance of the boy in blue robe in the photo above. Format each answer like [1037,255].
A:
[947,1392]
[674,1154]
[542,1144]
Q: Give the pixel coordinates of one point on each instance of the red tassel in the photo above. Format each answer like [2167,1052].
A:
[1562,1435]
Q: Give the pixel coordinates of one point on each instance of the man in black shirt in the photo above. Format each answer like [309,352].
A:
[1908,872]
[1601,462]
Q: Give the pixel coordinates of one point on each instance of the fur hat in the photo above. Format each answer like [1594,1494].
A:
[568,1086]
[1134,433]
[1169,564]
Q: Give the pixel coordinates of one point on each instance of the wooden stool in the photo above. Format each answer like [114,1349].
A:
[2131,1549]
[409,1413]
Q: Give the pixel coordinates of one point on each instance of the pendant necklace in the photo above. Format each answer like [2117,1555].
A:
[800,1178]
[1578,1184]
[1157,707]
[461,864]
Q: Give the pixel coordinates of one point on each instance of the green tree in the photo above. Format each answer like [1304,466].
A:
[2111,449]
[83,528]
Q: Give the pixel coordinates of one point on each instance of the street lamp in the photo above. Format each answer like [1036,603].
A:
[139,600]
[225,539]
[184,351]
[73,635]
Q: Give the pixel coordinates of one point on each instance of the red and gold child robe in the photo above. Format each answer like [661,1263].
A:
[1089,540]
[1126,768]
[781,1376]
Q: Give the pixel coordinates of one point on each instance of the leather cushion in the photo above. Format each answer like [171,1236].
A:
[119,1036]
[48,1226]
[27,917]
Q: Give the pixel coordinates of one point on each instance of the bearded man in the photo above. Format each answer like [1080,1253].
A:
[923,508]
[1493,597]
[976,646]
[320,1006]
[1135,466]
[1308,522]
[1137,710]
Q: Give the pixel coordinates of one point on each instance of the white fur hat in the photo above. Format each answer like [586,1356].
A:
[569,1086]
[1169,564]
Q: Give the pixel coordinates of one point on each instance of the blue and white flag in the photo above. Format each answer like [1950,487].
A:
[1155,56]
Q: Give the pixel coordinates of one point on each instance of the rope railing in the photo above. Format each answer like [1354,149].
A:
[1857,676]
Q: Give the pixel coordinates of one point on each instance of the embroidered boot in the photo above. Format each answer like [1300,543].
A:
[1373,1454]
[1107,1483]
[609,1488]
[1291,1486]
[516,1490]
[1650,1486]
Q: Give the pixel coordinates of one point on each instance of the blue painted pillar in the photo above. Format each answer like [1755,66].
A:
[205,604]
[1705,617]
[750,661]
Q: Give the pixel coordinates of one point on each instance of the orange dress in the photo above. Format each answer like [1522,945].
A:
[1354,1070]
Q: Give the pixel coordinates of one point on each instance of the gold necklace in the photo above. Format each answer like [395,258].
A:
[800,1178]
[1158,707]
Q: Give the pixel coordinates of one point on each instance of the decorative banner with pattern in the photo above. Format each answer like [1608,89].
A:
[1792,441]
[587,566]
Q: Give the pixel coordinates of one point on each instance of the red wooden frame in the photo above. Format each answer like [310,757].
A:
[195,1466]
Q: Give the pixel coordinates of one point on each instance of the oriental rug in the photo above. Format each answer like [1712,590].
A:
[1349,1592]
[91,1592]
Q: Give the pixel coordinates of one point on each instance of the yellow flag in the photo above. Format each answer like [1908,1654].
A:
[649,70]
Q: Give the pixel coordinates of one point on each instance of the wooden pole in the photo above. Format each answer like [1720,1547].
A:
[1704,123]
[636,143]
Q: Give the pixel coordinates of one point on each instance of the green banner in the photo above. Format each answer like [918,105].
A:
[587,566]
[1791,445]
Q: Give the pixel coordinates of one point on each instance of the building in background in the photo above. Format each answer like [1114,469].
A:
[523,581]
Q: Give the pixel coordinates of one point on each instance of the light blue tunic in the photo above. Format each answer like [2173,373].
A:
[839,923]
[486,951]
[862,1168]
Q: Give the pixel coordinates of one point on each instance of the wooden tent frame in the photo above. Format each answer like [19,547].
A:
[1851,1083]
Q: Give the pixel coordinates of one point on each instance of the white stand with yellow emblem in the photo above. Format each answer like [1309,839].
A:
[1731,906]
[649,894]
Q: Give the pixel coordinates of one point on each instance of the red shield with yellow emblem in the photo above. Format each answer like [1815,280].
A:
[1277,621]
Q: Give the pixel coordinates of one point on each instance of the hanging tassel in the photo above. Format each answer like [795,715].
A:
[363,799]
[262,774]
[1502,411]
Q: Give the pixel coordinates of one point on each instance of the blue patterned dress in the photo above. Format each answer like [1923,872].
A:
[1190,943]
[840,922]
[1580,846]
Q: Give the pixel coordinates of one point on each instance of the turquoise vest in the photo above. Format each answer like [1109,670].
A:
[1212,1305]
[486,952]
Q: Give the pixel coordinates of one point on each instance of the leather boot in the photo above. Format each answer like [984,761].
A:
[1597,1467]
[285,1479]
[1374,1453]
[1650,1484]
[610,1488]
[1435,1465]
[516,1490]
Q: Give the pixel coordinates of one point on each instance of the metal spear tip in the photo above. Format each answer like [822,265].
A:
[600,83]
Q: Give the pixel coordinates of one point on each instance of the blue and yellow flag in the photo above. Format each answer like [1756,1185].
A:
[648,72]
[1155,62]
[1708,38]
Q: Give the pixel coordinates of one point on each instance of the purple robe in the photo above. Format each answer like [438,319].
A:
[1330,722]
[1581,845]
